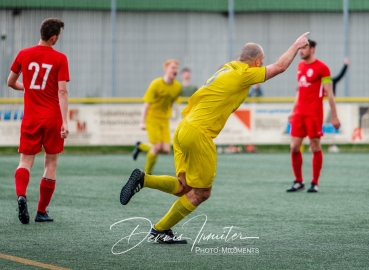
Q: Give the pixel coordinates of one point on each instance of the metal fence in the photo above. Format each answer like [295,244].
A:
[199,40]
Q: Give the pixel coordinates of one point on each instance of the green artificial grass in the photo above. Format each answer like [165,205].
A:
[327,230]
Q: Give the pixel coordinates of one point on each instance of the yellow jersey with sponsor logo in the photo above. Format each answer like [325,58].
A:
[209,108]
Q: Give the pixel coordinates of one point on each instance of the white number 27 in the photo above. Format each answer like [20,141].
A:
[35,74]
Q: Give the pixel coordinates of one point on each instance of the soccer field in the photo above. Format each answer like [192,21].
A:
[249,222]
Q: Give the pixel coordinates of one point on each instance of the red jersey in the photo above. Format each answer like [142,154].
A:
[42,68]
[311,78]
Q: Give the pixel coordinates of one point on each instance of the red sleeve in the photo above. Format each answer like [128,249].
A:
[63,74]
[324,71]
[16,67]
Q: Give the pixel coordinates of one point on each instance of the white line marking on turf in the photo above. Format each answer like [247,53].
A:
[30,262]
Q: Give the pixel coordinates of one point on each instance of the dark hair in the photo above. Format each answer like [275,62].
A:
[312,43]
[50,27]
[186,69]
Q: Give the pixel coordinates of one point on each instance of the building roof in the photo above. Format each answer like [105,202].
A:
[191,5]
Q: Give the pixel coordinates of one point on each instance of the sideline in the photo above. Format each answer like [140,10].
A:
[30,262]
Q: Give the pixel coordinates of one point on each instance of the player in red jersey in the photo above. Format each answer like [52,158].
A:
[307,115]
[45,75]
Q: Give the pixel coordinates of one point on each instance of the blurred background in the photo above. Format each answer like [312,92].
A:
[116,47]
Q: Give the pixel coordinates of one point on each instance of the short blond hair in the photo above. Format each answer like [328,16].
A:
[170,61]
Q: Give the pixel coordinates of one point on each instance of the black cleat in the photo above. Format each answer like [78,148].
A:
[40,217]
[134,184]
[23,210]
[136,151]
[165,237]
[297,186]
[313,188]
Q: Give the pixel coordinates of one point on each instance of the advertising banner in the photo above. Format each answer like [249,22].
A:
[10,120]
[258,123]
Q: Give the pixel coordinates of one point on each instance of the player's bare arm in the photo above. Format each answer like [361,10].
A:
[290,116]
[63,103]
[13,81]
[145,109]
[328,89]
[286,59]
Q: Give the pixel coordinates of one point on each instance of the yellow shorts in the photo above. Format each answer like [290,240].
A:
[194,154]
[158,130]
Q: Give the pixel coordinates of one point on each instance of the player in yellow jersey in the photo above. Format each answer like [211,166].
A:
[194,150]
[156,111]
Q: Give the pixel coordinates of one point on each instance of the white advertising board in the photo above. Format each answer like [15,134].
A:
[118,124]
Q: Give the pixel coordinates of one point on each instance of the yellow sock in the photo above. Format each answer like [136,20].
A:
[165,183]
[180,209]
[144,147]
[150,162]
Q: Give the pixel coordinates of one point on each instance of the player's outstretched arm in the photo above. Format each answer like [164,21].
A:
[13,81]
[328,89]
[63,103]
[286,59]
[340,75]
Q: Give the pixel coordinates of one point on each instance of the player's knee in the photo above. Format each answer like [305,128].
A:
[165,148]
[314,147]
[165,151]
[295,147]
[51,161]
[203,195]
[197,196]
[206,195]
[156,148]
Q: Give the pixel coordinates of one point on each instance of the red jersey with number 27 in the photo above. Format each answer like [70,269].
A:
[42,68]
[310,79]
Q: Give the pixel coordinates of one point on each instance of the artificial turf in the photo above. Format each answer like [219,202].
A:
[327,230]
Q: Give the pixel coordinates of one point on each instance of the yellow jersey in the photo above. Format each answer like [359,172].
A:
[209,107]
[161,96]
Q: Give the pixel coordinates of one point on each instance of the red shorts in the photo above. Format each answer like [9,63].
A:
[303,126]
[36,133]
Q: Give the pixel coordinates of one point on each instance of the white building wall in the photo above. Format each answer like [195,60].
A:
[198,40]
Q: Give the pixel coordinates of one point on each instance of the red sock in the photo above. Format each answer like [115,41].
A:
[47,187]
[317,166]
[21,179]
[296,158]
